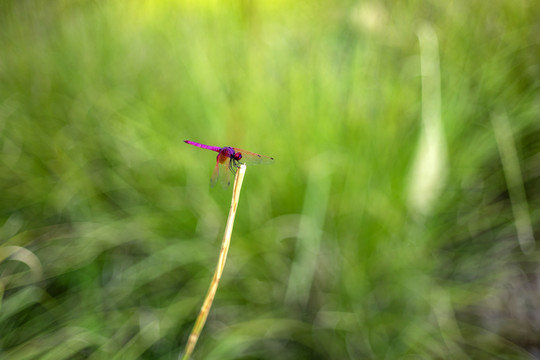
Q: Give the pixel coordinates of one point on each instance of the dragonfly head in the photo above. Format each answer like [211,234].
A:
[237,156]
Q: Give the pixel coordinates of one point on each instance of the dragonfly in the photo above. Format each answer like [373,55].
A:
[229,159]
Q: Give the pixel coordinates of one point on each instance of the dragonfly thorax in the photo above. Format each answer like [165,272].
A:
[231,153]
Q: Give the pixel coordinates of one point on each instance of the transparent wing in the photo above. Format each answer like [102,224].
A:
[250,158]
[215,174]
[222,171]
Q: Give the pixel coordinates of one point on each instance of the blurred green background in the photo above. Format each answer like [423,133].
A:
[398,222]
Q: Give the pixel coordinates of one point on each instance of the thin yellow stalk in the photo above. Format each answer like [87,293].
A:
[225,243]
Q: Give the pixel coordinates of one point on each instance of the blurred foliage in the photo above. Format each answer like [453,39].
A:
[110,232]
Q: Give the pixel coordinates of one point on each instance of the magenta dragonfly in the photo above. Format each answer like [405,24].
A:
[229,159]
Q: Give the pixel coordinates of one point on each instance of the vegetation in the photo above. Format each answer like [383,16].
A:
[389,227]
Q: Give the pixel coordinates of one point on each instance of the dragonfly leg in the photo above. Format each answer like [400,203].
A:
[233,165]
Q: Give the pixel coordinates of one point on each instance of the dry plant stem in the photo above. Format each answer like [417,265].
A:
[205,308]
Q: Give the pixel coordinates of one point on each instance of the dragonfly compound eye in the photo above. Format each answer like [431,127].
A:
[238,156]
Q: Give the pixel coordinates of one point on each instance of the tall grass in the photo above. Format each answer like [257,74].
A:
[107,241]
